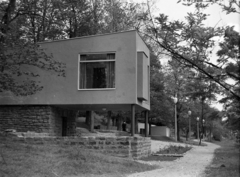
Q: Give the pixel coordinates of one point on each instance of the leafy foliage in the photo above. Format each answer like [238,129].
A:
[17,54]
[191,75]
[161,104]
[24,23]
[231,6]
[191,43]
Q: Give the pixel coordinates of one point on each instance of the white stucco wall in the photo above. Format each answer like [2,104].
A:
[160,131]
[64,90]
[142,126]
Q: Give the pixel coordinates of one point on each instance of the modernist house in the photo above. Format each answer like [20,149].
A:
[103,72]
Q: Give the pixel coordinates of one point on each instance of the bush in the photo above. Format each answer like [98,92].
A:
[172,149]
[217,135]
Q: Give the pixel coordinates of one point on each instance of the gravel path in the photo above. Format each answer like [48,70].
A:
[191,165]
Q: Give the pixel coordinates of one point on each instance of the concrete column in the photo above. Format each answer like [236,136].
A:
[114,121]
[87,120]
[109,119]
[146,123]
[136,123]
[150,128]
[133,119]
[91,121]
[119,124]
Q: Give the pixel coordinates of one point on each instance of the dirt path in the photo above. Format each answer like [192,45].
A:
[191,165]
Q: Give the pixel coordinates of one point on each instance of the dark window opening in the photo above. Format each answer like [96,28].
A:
[96,74]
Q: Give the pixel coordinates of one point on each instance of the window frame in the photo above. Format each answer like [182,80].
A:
[95,61]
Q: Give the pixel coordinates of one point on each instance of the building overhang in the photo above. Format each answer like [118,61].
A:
[101,107]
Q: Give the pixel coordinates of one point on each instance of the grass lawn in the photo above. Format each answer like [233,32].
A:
[22,160]
[226,160]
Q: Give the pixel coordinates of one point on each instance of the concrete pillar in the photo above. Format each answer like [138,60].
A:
[120,121]
[146,123]
[150,128]
[133,119]
[136,123]
[91,121]
[114,121]
[109,119]
[87,120]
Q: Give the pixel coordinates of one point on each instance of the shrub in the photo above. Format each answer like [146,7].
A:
[172,149]
[217,135]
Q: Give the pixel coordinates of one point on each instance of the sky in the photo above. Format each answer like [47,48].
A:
[177,11]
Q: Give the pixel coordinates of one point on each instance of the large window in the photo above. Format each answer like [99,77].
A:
[97,71]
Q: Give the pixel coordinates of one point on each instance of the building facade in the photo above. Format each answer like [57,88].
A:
[103,72]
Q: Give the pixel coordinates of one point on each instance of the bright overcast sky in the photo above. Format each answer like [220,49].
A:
[177,11]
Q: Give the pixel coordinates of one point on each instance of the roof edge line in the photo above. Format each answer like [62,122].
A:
[59,40]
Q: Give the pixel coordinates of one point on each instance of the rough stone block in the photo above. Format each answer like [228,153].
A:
[124,143]
[101,138]
[92,143]
[101,142]
[108,142]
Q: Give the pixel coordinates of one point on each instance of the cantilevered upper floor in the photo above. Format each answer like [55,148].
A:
[109,71]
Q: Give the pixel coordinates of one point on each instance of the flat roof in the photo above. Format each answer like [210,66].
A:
[59,40]
[81,37]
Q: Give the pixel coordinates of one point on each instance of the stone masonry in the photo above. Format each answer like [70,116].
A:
[44,124]
[124,146]
[40,119]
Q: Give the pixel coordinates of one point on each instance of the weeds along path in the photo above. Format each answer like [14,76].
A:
[192,164]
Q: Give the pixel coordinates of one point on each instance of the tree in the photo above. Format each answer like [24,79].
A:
[213,115]
[121,16]
[191,43]
[176,78]
[231,6]
[229,58]
[17,53]
[161,104]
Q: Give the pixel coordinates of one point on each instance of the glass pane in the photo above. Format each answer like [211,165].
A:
[90,57]
[111,56]
[82,76]
[97,75]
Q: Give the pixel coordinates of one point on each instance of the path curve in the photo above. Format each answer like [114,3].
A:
[192,164]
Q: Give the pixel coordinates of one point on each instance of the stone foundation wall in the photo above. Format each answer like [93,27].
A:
[55,125]
[40,119]
[129,147]
[140,147]
[25,118]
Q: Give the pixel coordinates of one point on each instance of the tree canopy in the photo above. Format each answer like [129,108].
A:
[191,74]
[191,42]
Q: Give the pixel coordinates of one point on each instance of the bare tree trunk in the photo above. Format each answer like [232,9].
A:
[178,128]
[201,135]
[210,133]
[7,18]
